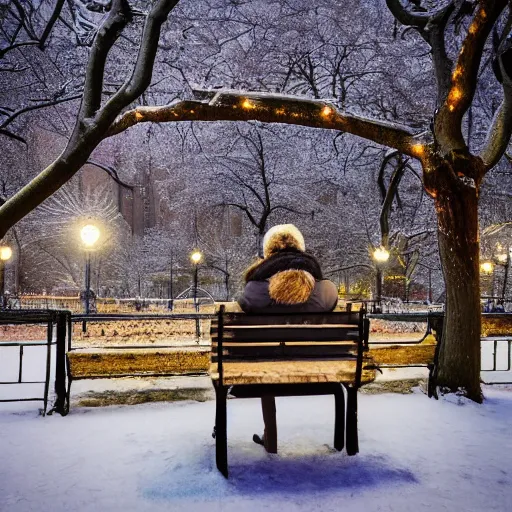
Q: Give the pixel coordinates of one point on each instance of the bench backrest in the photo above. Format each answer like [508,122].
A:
[241,337]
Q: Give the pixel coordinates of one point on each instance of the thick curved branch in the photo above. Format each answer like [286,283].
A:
[388,201]
[143,70]
[273,108]
[500,131]
[107,35]
[380,179]
[415,19]
[431,26]
[448,123]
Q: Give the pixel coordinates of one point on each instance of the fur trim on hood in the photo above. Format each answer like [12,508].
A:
[282,237]
[291,286]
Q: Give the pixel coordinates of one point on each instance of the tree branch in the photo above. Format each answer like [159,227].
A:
[140,79]
[500,131]
[51,22]
[35,41]
[51,103]
[388,200]
[272,108]
[107,35]
[111,172]
[448,123]
[11,135]
[431,26]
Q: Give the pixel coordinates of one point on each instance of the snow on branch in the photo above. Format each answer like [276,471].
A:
[229,105]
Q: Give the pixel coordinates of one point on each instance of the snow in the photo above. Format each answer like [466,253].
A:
[416,454]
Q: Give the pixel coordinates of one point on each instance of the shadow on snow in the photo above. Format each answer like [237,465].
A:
[261,474]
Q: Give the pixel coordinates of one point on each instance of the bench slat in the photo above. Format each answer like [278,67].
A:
[277,334]
[276,352]
[289,372]
[338,317]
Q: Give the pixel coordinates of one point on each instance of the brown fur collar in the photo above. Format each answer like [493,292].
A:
[291,286]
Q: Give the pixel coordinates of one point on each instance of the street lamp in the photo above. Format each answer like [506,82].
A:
[196,258]
[487,267]
[5,256]
[504,260]
[380,256]
[90,234]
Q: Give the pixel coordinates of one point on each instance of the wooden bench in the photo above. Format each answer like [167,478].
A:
[289,355]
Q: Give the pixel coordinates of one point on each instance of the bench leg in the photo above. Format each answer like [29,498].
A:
[339,418]
[352,440]
[268,406]
[221,442]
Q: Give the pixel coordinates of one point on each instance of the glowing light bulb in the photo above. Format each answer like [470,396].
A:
[456,93]
[502,258]
[418,149]
[248,104]
[196,257]
[90,235]
[5,253]
[326,111]
[487,267]
[381,254]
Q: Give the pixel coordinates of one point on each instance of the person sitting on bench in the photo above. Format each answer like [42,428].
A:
[287,279]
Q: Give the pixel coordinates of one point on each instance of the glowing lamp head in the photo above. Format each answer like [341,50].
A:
[196,257]
[5,253]
[90,234]
[487,267]
[502,258]
[381,255]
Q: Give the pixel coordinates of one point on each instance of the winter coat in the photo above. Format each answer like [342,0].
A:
[287,281]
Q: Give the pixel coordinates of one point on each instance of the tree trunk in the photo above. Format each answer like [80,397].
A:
[456,201]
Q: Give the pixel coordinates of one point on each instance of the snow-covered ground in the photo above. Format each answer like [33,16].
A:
[416,455]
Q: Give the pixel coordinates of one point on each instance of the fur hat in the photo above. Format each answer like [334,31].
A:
[281,237]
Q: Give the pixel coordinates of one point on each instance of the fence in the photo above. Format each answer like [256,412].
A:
[49,318]
[108,305]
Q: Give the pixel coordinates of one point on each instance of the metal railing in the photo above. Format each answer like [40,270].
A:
[99,317]
[49,318]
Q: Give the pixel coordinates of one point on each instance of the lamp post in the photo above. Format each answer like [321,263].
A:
[487,268]
[196,258]
[90,234]
[5,256]
[170,294]
[504,259]
[380,256]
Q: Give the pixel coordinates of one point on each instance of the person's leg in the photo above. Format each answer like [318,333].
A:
[268,406]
